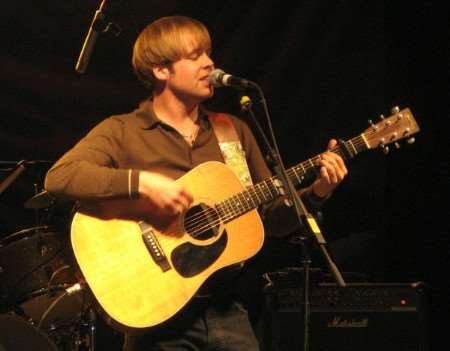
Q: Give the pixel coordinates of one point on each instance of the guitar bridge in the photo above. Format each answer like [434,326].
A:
[153,246]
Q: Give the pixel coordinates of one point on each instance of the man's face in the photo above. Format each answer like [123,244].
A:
[188,78]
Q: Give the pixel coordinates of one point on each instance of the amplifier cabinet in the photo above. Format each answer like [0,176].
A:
[363,317]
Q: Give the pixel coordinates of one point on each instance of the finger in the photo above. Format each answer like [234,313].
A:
[187,196]
[182,204]
[171,208]
[330,167]
[331,144]
[336,161]
[324,174]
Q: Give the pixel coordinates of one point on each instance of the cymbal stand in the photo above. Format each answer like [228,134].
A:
[20,167]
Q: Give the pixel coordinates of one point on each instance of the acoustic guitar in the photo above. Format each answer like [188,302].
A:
[142,277]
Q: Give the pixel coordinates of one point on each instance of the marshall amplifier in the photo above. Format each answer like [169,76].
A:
[360,316]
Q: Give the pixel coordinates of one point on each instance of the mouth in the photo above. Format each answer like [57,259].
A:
[205,81]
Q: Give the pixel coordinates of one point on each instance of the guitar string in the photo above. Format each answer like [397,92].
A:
[199,218]
[197,222]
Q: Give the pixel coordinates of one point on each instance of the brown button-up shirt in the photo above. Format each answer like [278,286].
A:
[105,164]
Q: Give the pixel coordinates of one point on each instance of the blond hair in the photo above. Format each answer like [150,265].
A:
[165,41]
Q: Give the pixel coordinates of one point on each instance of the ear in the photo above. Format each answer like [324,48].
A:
[161,72]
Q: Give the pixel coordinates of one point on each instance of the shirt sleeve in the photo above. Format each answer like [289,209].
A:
[89,170]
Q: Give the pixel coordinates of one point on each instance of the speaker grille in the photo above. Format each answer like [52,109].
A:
[369,317]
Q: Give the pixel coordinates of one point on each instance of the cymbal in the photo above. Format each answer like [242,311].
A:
[41,200]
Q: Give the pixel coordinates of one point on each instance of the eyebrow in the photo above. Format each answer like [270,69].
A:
[197,51]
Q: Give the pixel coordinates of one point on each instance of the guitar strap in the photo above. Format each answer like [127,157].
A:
[232,151]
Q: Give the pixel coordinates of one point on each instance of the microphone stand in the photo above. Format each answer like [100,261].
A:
[98,25]
[307,222]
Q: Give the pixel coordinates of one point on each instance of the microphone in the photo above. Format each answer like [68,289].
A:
[219,78]
[95,29]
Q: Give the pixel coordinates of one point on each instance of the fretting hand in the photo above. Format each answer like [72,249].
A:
[332,172]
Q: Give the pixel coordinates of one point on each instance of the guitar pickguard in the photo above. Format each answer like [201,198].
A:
[189,259]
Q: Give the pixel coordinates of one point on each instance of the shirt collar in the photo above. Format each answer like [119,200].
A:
[149,120]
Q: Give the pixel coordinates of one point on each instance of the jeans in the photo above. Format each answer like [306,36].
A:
[223,326]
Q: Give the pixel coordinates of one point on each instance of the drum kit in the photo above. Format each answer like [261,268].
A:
[44,305]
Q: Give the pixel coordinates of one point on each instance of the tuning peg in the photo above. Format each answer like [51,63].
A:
[381,117]
[411,140]
[400,116]
[372,125]
[394,136]
[384,147]
[397,145]
[395,110]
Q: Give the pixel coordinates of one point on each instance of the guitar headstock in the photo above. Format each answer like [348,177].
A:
[400,125]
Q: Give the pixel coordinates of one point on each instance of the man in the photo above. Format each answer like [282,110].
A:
[136,157]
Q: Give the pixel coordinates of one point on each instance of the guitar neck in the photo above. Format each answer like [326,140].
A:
[269,189]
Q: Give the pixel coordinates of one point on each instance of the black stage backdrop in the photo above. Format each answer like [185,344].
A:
[326,67]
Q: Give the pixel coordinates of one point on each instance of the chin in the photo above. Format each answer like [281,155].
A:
[206,95]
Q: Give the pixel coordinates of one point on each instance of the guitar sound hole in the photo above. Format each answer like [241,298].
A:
[202,222]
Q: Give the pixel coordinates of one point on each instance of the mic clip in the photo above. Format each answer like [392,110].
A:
[102,25]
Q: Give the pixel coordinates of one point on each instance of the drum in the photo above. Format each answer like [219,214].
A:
[31,260]
[62,314]
[16,334]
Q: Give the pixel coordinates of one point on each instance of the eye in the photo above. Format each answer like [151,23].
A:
[194,55]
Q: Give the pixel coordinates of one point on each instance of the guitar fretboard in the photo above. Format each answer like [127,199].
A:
[269,189]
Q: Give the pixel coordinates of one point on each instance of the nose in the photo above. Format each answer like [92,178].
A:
[207,60]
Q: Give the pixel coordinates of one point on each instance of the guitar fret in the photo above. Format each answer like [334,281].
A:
[268,183]
[304,169]
[267,190]
[299,180]
[228,208]
[256,193]
[361,142]
[353,147]
[245,197]
[240,205]
[234,206]
[242,201]
[248,200]
[262,192]
[219,210]
[274,187]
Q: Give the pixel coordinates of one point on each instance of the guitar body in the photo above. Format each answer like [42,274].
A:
[131,285]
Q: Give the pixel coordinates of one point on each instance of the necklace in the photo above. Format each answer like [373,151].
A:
[190,138]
